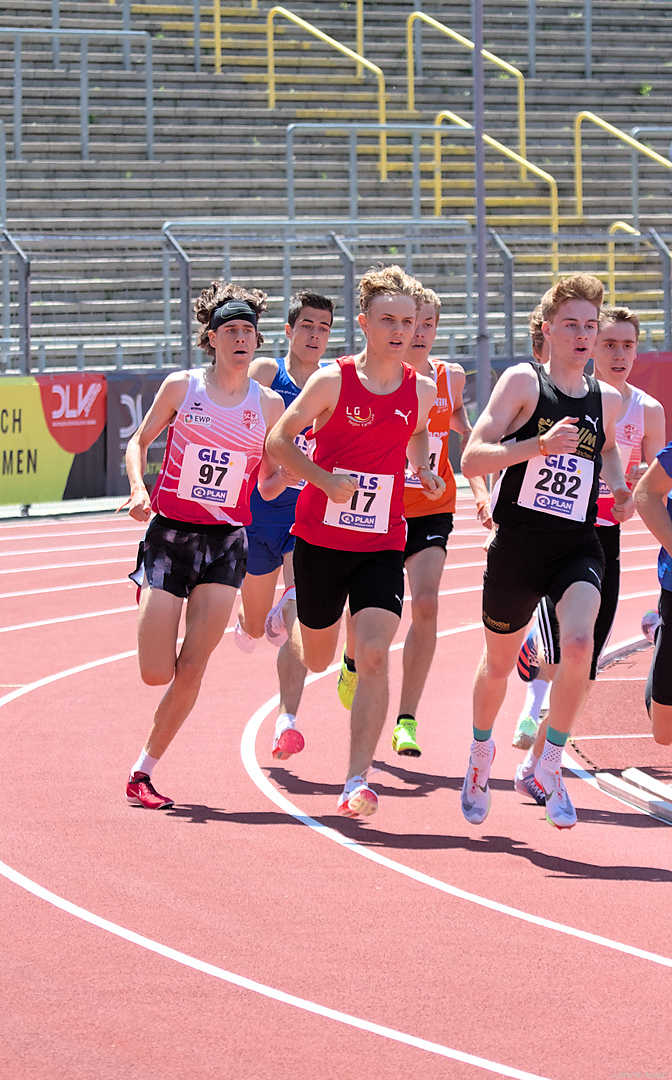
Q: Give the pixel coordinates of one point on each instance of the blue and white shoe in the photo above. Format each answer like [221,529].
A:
[525,784]
[528,657]
[475,789]
[560,811]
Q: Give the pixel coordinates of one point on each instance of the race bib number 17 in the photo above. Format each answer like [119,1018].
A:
[559,484]
[369,509]
[211,476]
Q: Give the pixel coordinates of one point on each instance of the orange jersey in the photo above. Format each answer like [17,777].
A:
[416,503]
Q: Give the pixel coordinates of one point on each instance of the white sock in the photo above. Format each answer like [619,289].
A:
[534,698]
[483,751]
[284,721]
[551,755]
[530,761]
[145,764]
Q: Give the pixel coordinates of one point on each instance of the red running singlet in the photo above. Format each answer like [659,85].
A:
[366,435]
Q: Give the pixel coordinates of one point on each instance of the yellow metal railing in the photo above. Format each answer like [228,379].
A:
[513,156]
[618,134]
[518,75]
[618,226]
[360,60]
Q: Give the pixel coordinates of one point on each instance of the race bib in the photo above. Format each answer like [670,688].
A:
[369,509]
[559,484]
[306,448]
[435,447]
[626,454]
[210,475]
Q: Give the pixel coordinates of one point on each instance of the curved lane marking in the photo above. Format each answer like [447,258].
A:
[248,754]
[220,973]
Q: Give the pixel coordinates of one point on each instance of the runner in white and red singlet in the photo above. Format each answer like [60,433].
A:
[368,413]
[195,546]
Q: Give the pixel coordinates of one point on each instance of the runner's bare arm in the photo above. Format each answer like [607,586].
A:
[418,444]
[271,480]
[314,405]
[612,467]
[164,408]
[511,403]
[263,370]
[459,422]
[650,499]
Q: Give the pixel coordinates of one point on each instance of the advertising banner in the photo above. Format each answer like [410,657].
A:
[52,444]
[652,373]
[129,397]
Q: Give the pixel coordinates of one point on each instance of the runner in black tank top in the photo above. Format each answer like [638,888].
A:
[549,429]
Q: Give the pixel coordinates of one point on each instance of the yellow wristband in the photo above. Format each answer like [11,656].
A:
[481,504]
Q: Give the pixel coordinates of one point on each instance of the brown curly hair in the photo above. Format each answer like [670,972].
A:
[388,281]
[216,294]
[574,287]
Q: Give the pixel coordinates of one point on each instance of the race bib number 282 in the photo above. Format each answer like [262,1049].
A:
[559,485]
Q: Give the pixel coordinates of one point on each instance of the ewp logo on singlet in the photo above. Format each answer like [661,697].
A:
[197,418]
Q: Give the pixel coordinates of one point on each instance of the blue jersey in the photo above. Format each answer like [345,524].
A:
[280,511]
[664,558]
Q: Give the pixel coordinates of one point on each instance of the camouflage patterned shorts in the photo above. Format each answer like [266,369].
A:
[177,560]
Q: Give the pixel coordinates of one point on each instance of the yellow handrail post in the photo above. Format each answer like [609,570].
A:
[618,134]
[360,35]
[217,19]
[513,156]
[487,55]
[357,57]
[618,226]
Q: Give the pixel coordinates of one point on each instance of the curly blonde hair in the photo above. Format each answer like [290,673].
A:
[388,281]
[216,294]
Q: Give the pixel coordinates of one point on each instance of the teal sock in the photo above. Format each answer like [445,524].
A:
[482,735]
[558,738]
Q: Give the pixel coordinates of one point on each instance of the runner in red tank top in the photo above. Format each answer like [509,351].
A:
[195,546]
[368,413]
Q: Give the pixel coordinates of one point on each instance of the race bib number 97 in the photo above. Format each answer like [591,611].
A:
[559,484]
[211,476]
[369,509]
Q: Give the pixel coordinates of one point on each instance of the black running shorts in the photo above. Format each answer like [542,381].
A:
[176,560]
[524,566]
[659,685]
[430,530]
[326,579]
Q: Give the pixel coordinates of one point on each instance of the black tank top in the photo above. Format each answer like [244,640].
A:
[551,407]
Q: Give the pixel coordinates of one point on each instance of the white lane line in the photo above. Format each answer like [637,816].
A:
[220,973]
[582,738]
[639,595]
[66,618]
[248,755]
[64,588]
[72,547]
[64,566]
[257,987]
[121,528]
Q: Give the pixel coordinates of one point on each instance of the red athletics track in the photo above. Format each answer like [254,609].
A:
[250,934]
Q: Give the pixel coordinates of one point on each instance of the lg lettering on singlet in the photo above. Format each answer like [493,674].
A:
[210,475]
[435,447]
[559,484]
[369,509]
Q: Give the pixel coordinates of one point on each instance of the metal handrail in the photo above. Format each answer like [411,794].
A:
[513,156]
[635,132]
[618,226]
[23,301]
[487,55]
[83,36]
[618,134]
[357,57]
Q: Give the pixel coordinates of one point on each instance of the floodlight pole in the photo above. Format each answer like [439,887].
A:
[482,341]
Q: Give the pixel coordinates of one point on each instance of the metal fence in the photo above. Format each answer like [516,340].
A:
[19,34]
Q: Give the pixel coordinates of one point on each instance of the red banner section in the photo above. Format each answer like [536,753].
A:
[653,374]
[74,405]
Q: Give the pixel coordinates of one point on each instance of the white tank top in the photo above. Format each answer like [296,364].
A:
[629,435]
[212,458]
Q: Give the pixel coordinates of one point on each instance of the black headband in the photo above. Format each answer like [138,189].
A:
[230,311]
